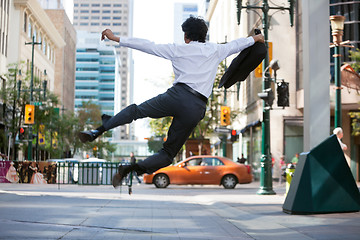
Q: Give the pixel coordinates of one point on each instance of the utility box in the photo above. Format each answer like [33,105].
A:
[322,182]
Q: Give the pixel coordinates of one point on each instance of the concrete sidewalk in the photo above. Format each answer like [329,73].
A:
[178,212]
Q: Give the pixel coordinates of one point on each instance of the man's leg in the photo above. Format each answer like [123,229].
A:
[156,107]
[187,110]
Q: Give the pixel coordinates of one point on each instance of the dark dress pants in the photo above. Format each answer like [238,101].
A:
[186,109]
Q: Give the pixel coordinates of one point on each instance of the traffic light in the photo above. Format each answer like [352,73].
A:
[234,135]
[283,94]
[21,133]
[29,114]
[268,96]
[225,116]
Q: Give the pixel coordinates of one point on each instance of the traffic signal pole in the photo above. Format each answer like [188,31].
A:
[265,161]
[33,43]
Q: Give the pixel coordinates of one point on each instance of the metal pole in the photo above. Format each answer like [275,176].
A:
[31,96]
[265,175]
[337,75]
[33,43]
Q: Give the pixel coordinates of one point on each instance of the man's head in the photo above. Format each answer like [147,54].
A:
[195,29]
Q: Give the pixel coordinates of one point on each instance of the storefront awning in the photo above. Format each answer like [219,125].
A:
[250,125]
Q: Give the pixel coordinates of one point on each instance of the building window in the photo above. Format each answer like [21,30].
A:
[106,11]
[106,5]
[95,5]
[84,24]
[105,17]
[44,47]
[116,24]
[40,40]
[30,29]
[84,11]
[95,17]
[95,11]
[95,24]
[117,5]
[25,21]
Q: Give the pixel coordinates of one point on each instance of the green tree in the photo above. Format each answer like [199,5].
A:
[89,117]
[355,116]
[14,105]
[65,125]
[355,57]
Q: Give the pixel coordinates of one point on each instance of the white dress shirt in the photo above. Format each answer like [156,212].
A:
[194,64]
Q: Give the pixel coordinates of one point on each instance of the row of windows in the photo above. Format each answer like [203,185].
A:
[106,89]
[41,40]
[87,69]
[97,17]
[98,11]
[98,24]
[87,78]
[106,99]
[85,97]
[98,5]
[85,88]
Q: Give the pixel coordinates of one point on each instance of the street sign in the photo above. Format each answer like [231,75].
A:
[222,130]
[36,103]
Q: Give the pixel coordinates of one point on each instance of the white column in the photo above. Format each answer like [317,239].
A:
[316,71]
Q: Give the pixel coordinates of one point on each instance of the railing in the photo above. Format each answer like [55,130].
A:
[86,173]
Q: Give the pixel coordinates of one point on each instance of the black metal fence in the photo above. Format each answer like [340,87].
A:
[86,173]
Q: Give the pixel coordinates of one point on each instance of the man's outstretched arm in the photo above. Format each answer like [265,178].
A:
[107,33]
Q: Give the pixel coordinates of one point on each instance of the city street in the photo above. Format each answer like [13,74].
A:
[30,211]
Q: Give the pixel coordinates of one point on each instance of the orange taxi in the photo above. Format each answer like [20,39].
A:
[201,170]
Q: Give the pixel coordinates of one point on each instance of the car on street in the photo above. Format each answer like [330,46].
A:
[203,169]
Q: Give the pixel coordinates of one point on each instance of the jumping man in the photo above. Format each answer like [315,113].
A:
[195,65]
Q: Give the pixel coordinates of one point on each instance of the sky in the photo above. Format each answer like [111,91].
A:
[153,20]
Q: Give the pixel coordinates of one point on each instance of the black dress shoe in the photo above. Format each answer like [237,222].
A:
[89,136]
[122,172]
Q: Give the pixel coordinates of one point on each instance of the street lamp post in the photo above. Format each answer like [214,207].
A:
[337,26]
[266,175]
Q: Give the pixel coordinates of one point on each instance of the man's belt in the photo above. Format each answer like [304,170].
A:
[197,94]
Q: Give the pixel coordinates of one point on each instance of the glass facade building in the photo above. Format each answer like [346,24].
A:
[96,73]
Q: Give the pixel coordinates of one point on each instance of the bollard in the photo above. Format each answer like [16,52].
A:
[289,173]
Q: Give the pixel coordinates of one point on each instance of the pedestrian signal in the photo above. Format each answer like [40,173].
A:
[234,135]
[29,114]
[283,94]
[225,116]
[21,133]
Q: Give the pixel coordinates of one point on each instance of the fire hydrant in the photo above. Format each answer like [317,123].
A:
[289,173]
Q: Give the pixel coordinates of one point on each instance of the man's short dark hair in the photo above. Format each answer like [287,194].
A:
[195,29]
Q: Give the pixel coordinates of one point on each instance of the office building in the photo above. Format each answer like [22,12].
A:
[96,73]
[95,16]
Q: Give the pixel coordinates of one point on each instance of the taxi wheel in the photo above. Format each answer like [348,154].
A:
[229,181]
[161,181]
